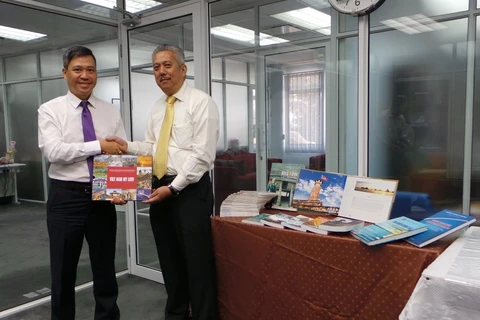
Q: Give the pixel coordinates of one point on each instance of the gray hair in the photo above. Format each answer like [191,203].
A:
[179,55]
[74,52]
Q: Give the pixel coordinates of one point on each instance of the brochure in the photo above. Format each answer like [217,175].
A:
[126,176]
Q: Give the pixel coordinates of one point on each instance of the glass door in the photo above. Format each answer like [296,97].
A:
[296,95]
[179,27]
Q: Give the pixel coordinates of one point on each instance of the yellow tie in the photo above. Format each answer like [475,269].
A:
[161,155]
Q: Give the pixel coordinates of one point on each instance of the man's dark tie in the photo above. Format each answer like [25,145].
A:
[88,132]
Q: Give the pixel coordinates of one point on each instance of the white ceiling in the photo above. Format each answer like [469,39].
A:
[64,31]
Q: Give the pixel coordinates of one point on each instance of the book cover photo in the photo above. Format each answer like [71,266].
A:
[319,191]
[440,225]
[126,176]
[283,179]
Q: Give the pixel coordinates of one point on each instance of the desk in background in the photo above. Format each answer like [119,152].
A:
[11,170]
[449,288]
[266,273]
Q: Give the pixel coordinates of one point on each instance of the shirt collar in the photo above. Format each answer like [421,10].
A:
[75,101]
[180,94]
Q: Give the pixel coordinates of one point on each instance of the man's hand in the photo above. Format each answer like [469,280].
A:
[158,195]
[118,140]
[118,201]
[111,147]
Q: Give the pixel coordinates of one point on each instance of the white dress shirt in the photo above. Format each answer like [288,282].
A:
[193,141]
[60,134]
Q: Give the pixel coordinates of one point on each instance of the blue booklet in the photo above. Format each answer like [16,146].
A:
[390,230]
[440,225]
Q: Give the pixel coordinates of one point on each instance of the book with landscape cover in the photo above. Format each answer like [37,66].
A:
[283,179]
[440,225]
[296,222]
[275,220]
[387,231]
[256,220]
[313,224]
[319,191]
[340,224]
[126,176]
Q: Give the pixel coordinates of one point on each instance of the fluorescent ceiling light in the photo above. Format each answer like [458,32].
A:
[414,24]
[132,5]
[394,23]
[98,11]
[234,32]
[19,34]
[307,18]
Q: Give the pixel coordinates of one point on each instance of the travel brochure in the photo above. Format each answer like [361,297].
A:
[126,176]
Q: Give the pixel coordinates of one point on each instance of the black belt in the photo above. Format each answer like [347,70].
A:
[165,180]
[80,187]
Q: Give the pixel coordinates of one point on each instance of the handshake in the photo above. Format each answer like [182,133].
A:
[113,145]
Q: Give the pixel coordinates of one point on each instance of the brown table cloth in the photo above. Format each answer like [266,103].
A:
[268,273]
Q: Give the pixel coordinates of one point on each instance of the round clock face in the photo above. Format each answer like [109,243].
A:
[355,7]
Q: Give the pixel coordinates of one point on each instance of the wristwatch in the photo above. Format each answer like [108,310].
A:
[174,191]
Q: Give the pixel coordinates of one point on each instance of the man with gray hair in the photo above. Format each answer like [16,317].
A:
[182,134]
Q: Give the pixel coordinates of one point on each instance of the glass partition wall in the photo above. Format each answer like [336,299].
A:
[277,89]
[418,103]
[421,67]
[30,74]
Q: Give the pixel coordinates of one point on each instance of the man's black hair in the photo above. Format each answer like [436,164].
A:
[74,52]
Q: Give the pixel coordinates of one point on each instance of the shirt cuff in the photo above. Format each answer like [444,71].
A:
[130,147]
[92,148]
[179,183]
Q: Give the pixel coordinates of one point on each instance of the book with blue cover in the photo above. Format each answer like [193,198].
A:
[387,231]
[440,225]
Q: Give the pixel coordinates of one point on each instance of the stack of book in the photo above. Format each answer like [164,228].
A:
[244,203]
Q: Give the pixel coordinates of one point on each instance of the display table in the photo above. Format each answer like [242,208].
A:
[268,273]
[10,170]
[449,288]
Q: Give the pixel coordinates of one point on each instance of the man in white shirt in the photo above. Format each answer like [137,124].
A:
[182,200]
[71,130]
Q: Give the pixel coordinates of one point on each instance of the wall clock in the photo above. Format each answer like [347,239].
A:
[356,7]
